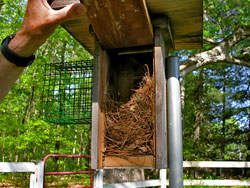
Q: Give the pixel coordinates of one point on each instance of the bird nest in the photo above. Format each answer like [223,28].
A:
[130,126]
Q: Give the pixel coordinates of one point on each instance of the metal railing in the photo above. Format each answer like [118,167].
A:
[90,171]
[36,170]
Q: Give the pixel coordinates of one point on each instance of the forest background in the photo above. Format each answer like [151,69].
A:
[215,94]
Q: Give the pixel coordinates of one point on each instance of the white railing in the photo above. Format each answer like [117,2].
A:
[36,171]
[163,182]
[37,175]
[154,183]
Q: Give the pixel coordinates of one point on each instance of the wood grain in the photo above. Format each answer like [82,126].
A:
[103,72]
[160,100]
[133,161]
[185,17]
[120,23]
[101,63]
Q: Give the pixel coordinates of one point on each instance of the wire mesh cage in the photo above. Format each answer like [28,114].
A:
[67,91]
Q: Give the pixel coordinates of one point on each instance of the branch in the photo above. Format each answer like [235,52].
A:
[239,34]
[220,53]
[242,61]
[210,41]
[208,57]
[214,55]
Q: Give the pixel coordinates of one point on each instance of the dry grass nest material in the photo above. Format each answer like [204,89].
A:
[130,127]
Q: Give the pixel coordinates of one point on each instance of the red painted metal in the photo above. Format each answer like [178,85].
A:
[90,171]
[67,173]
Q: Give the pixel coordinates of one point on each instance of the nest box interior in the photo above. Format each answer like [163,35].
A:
[129,126]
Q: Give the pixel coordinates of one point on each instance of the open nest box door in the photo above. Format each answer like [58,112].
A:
[122,37]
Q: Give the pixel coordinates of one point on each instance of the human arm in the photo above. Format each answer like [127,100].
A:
[39,23]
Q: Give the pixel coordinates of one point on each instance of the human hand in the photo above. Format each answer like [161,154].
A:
[39,23]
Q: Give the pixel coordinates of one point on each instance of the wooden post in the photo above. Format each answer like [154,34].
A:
[101,63]
[160,100]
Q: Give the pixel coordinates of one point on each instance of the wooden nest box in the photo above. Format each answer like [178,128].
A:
[123,36]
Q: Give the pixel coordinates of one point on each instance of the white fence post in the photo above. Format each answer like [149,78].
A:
[163,178]
[36,170]
[98,179]
[40,174]
[32,180]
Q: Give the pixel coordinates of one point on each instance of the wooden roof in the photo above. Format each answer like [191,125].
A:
[108,16]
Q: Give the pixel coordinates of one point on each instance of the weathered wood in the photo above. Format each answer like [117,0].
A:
[95,109]
[101,62]
[103,72]
[160,100]
[119,24]
[134,50]
[186,21]
[164,24]
[185,17]
[133,161]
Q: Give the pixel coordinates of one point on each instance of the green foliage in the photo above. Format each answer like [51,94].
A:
[224,109]
[23,135]
[216,100]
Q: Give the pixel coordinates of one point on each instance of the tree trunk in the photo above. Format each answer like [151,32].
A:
[1,4]
[81,147]
[182,82]
[57,147]
[199,115]
[246,172]
[198,119]
[75,140]
[223,118]
[88,145]
[122,175]
[3,149]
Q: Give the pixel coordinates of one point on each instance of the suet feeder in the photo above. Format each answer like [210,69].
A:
[123,35]
[66,94]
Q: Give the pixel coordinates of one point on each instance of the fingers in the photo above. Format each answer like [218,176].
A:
[47,3]
[70,12]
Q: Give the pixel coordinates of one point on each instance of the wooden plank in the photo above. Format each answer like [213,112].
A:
[95,109]
[103,71]
[216,164]
[79,29]
[101,62]
[119,24]
[134,161]
[160,100]
[185,17]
